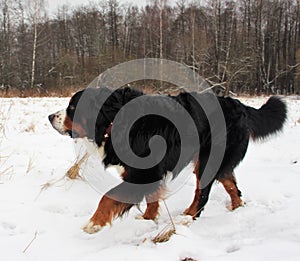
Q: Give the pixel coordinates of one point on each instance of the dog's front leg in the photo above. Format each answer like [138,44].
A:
[115,203]
[107,210]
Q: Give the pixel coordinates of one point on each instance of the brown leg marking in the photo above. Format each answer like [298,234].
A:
[193,208]
[153,204]
[124,174]
[151,211]
[107,210]
[230,186]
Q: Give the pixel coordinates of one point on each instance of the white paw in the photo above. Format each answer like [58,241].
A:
[230,208]
[139,217]
[90,228]
[185,220]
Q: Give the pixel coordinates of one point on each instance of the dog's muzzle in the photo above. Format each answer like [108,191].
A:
[57,121]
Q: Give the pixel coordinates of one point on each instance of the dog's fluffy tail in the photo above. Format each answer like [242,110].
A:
[267,120]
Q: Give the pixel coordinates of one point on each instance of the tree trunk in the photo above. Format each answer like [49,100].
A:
[36,18]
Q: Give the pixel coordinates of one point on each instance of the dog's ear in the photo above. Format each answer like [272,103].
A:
[104,105]
[98,97]
[112,104]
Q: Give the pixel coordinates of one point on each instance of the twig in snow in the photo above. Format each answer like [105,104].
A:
[34,238]
[30,165]
[48,185]
[167,231]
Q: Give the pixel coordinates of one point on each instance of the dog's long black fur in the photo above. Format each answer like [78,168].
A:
[242,122]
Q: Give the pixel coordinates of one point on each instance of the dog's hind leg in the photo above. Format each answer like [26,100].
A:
[193,208]
[230,185]
[152,209]
[201,193]
[204,195]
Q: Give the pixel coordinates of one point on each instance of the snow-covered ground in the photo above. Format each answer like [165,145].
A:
[42,211]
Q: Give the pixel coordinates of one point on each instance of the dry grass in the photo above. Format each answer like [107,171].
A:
[66,91]
[30,165]
[165,234]
[298,120]
[48,185]
[4,114]
[30,128]
[73,172]
[6,171]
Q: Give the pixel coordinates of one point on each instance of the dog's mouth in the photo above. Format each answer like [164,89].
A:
[72,134]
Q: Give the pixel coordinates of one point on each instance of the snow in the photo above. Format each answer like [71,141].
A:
[42,212]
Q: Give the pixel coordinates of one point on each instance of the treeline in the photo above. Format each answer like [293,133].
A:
[249,46]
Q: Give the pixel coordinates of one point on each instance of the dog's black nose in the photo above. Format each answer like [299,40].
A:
[51,117]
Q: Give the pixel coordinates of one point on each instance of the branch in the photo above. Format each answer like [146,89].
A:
[291,67]
[34,238]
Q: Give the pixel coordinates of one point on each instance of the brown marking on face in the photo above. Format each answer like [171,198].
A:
[72,126]
[107,210]
[230,186]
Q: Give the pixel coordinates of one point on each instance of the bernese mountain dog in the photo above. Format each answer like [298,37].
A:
[96,123]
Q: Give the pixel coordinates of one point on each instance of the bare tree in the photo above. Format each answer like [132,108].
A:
[36,8]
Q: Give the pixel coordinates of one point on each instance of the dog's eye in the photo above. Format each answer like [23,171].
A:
[71,107]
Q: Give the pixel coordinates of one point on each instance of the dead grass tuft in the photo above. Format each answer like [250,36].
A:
[167,232]
[30,128]
[298,121]
[164,235]
[73,172]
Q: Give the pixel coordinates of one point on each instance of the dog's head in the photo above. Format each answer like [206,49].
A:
[88,112]
[91,112]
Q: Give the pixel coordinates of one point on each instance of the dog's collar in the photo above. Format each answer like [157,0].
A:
[108,132]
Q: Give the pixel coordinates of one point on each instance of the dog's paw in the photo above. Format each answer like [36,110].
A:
[235,206]
[141,217]
[91,228]
[184,220]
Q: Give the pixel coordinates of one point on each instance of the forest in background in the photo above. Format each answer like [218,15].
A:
[246,46]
